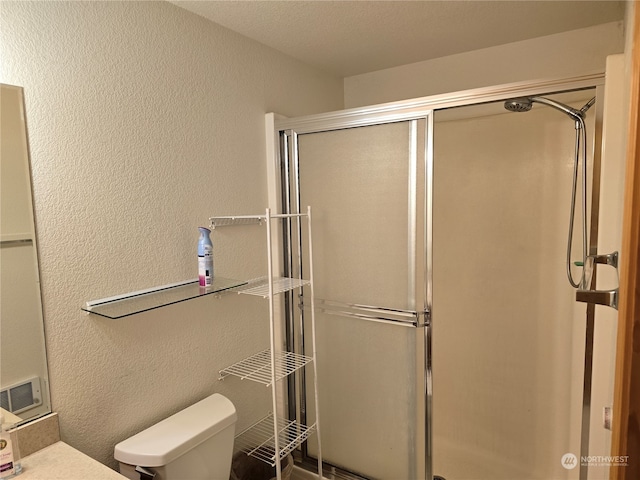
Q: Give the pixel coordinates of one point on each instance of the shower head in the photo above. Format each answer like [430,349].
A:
[518,104]
[524,104]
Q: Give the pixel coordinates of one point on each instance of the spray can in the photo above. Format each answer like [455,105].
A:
[205,258]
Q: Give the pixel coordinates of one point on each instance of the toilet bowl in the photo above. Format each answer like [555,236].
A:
[195,444]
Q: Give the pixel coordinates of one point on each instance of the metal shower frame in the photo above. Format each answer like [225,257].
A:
[282,158]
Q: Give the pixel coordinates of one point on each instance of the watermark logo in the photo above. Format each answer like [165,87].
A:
[569,461]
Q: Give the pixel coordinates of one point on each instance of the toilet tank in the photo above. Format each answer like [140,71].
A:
[195,443]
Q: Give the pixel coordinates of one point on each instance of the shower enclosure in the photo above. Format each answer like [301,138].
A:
[449,341]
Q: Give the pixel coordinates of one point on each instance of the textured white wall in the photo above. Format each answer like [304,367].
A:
[144,120]
[565,54]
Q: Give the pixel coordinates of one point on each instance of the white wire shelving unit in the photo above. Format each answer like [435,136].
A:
[272,438]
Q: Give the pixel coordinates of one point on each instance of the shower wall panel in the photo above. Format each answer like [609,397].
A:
[507,364]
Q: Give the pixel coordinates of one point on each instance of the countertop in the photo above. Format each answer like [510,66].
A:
[63,462]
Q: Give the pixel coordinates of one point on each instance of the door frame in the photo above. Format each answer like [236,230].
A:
[626,406]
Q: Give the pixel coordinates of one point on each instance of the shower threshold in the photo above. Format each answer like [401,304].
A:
[307,471]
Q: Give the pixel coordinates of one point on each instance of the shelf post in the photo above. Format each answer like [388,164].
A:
[313,342]
[274,395]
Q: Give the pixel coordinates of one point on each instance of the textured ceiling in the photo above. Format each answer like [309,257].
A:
[353,37]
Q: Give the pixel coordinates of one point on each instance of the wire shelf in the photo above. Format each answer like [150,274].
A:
[258,440]
[260,287]
[257,368]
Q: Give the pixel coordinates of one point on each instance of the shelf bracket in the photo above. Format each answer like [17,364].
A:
[231,221]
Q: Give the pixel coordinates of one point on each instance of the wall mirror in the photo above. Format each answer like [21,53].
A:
[24,381]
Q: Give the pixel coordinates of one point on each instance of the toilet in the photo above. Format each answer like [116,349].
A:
[195,444]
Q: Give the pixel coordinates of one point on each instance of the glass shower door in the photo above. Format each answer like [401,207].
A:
[362,184]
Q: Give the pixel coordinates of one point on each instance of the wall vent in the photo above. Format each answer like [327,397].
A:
[21,396]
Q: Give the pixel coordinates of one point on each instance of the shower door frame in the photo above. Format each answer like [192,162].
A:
[419,315]
[282,169]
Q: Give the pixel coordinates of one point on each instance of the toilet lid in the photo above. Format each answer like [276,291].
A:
[167,440]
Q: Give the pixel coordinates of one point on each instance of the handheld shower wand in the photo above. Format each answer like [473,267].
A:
[524,104]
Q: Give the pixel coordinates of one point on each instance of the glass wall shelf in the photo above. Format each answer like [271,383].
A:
[156,297]
[260,286]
